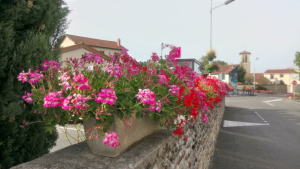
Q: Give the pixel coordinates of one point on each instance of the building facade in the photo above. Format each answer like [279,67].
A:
[74,46]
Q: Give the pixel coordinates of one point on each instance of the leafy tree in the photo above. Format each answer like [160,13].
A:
[219,62]
[203,60]
[282,82]
[30,32]
[241,74]
[263,81]
[297,59]
[249,77]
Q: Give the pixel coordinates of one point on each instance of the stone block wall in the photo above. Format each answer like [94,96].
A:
[162,150]
[273,88]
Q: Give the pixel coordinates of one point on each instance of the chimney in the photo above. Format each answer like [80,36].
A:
[119,42]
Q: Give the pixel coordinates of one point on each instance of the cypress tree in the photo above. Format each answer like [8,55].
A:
[30,32]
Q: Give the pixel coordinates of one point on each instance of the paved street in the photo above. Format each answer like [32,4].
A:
[72,131]
[259,132]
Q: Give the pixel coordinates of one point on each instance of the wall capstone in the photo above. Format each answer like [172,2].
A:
[161,150]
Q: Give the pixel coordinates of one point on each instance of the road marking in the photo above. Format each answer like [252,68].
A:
[261,117]
[272,100]
[228,123]
[270,104]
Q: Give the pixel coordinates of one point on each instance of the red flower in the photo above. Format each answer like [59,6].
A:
[178,131]
[179,100]
[145,68]
[194,113]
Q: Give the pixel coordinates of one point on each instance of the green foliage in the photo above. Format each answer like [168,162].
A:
[249,77]
[29,34]
[219,62]
[241,74]
[263,81]
[297,59]
[282,82]
[259,87]
[204,61]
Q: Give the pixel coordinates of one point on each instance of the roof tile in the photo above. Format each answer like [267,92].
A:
[279,71]
[223,69]
[94,42]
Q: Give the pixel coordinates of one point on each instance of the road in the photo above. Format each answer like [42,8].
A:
[259,132]
[73,133]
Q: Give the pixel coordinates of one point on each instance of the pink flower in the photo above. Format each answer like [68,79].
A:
[163,78]
[91,58]
[106,96]
[157,107]
[66,102]
[79,101]
[50,64]
[82,81]
[27,97]
[53,99]
[31,77]
[204,118]
[174,90]
[146,96]
[114,70]
[111,139]
[154,57]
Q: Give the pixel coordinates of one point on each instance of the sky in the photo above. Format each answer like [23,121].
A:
[269,29]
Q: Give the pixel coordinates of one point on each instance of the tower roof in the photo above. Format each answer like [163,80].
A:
[245,52]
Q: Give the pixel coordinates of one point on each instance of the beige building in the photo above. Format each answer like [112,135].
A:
[74,46]
[245,60]
[286,75]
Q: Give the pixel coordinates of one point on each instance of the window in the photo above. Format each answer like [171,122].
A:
[221,76]
[245,58]
[271,76]
[281,75]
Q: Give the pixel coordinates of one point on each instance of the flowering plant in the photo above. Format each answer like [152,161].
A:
[231,89]
[120,88]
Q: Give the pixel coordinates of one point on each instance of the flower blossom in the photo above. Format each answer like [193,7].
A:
[53,99]
[156,107]
[50,64]
[204,118]
[154,57]
[66,102]
[114,70]
[174,90]
[31,77]
[163,78]
[111,139]
[64,78]
[106,96]
[146,96]
[91,57]
[27,97]
[79,101]
[82,81]
[178,131]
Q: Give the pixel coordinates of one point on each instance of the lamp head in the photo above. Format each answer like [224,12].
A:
[228,2]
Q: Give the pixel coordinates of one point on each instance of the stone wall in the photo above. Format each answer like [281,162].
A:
[161,150]
[273,88]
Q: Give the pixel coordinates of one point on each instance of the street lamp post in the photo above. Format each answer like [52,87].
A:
[254,72]
[211,8]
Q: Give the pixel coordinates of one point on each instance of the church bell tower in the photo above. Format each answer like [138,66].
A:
[245,60]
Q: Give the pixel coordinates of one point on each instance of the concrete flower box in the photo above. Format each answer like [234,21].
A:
[141,128]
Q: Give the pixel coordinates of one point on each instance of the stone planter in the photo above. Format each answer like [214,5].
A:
[141,128]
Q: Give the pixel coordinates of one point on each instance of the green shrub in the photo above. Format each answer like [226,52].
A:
[258,87]
[30,32]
